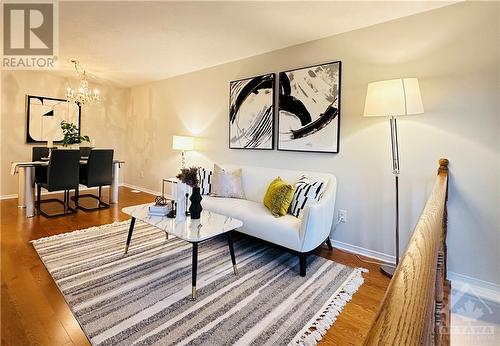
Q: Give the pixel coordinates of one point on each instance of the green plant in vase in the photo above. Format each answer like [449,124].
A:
[72,134]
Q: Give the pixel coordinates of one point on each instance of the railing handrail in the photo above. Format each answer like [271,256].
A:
[410,313]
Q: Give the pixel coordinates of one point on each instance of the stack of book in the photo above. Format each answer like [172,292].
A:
[159,210]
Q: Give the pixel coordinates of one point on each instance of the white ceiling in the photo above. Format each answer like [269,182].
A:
[135,42]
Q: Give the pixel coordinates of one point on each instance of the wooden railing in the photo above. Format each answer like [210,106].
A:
[412,312]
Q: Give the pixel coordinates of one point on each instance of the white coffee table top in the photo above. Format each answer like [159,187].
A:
[207,226]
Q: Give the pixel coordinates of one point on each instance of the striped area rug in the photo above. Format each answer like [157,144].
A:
[142,298]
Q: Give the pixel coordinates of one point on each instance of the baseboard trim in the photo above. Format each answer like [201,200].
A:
[463,283]
[14,195]
[156,193]
[45,192]
[364,252]
[142,189]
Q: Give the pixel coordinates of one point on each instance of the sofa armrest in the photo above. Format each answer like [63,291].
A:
[318,219]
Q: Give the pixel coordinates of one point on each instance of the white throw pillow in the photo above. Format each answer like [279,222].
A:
[226,183]
[306,193]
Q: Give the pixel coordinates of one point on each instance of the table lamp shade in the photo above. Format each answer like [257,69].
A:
[183,143]
[393,97]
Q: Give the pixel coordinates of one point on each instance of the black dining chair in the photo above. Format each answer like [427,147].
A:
[97,172]
[85,152]
[62,175]
[39,153]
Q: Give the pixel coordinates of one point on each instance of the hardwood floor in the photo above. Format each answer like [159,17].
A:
[33,311]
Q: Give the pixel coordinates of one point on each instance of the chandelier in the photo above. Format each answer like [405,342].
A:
[82,95]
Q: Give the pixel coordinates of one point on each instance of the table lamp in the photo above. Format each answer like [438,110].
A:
[393,98]
[184,144]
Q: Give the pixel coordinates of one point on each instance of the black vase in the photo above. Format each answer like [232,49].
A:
[195,207]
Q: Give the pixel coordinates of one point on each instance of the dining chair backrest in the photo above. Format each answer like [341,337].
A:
[63,170]
[85,151]
[100,167]
[39,152]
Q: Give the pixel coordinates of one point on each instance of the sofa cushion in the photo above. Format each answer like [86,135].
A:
[278,197]
[256,179]
[227,183]
[257,220]
[306,193]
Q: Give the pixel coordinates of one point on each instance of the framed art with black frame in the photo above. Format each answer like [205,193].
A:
[251,113]
[44,116]
[309,108]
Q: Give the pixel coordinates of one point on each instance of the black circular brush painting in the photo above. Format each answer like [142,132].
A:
[309,108]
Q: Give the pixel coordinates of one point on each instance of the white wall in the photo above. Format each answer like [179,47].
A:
[102,122]
[454,52]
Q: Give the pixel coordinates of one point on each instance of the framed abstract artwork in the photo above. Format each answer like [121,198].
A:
[44,116]
[309,108]
[251,113]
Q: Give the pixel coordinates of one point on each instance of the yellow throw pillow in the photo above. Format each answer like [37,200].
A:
[278,197]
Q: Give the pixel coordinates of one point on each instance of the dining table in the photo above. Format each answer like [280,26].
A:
[26,182]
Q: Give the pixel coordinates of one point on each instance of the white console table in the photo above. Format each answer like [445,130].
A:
[26,182]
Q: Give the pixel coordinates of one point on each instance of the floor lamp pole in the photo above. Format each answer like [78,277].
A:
[387,269]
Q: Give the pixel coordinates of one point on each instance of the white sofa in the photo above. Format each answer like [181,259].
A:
[300,235]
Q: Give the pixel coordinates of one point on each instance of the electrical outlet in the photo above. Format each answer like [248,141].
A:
[342,217]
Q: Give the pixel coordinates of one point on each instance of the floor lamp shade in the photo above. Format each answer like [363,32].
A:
[393,97]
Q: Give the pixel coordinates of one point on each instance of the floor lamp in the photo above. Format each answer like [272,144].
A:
[395,97]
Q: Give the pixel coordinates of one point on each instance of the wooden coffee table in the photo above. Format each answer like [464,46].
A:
[208,226]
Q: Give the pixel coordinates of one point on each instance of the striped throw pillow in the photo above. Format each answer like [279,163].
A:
[205,177]
[305,193]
